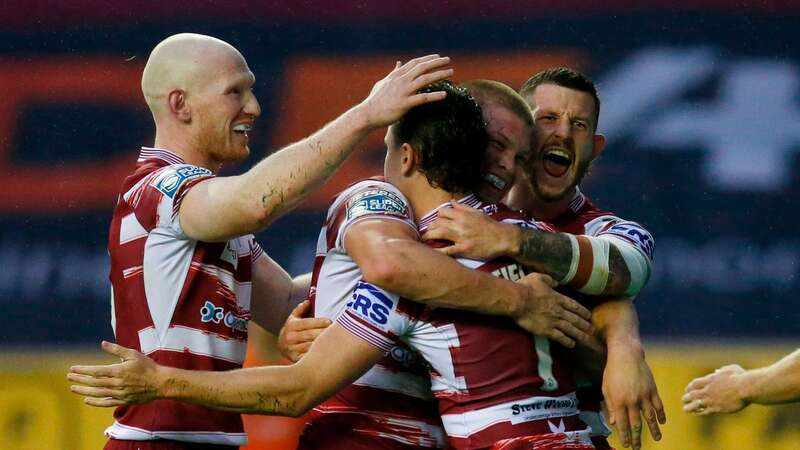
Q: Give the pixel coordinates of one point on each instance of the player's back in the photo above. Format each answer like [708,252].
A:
[390,406]
[493,380]
[505,382]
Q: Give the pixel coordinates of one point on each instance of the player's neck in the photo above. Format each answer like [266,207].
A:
[425,199]
[541,209]
[186,151]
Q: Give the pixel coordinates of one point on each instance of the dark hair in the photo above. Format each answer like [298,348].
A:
[564,77]
[449,137]
[487,91]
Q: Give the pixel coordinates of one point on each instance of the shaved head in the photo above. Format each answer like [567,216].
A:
[200,92]
[183,62]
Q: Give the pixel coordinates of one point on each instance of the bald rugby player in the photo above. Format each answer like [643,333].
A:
[186,272]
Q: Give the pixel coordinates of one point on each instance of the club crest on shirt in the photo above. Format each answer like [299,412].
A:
[376,201]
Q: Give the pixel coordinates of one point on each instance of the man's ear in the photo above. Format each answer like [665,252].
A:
[599,145]
[408,159]
[178,106]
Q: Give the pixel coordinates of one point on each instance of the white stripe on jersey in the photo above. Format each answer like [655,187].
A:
[130,229]
[129,433]
[166,262]
[242,289]
[515,412]
[425,339]
[401,382]
[198,342]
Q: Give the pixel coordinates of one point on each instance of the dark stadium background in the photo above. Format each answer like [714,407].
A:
[701,109]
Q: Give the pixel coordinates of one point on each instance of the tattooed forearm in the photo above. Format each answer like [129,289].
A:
[549,253]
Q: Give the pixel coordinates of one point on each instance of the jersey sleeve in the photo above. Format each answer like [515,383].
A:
[255,249]
[623,231]
[372,315]
[373,200]
[156,201]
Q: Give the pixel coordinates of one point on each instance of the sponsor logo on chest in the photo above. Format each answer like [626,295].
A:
[212,313]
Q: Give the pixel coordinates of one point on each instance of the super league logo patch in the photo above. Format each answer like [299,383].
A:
[376,201]
[172,179]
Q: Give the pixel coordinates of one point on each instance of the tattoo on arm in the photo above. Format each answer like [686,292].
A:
[549,253]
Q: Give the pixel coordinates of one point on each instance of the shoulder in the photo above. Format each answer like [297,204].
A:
[502,213]
[371,197]
[169,179]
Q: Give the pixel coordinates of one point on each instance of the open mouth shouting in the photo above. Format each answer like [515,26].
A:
[556,162]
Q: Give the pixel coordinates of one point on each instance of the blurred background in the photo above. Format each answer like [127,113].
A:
[701,109]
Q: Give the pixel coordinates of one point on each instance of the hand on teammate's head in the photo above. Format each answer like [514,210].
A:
[396,93]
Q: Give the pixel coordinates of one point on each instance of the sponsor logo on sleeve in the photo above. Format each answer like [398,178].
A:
[635,233]
[172,179]
[376,201]
[372,304]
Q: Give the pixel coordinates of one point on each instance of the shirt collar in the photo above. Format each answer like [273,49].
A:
[149,153]
[468,200]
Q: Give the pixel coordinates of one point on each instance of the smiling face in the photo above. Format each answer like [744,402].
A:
[509,142]
[224,108]
[566,143]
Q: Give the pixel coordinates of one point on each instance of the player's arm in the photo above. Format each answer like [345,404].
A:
[594,265]
[224,207]
[279,305]
[731,388]
[629,388]
[275,294]
[390,256]
[335,360]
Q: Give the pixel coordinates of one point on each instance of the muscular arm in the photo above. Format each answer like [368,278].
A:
[551,253]
[335,360]
[224,207]
[475,235]
[390,256]
[731,388]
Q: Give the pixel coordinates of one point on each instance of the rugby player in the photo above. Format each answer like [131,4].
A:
[420,168]
[183,263]
[390,406]
[597,253]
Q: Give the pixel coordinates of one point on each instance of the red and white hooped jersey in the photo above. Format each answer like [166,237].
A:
[392,403]
[183,302]
[584,218]
[493,380]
